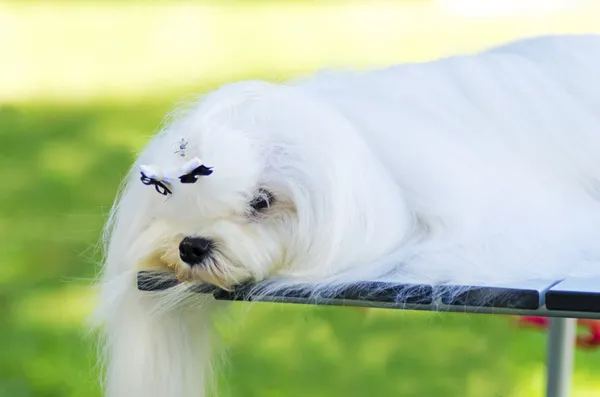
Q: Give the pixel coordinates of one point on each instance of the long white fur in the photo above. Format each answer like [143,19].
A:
[471,169]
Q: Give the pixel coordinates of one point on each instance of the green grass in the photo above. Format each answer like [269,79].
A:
[62,157]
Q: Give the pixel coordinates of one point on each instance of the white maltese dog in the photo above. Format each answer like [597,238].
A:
[476,168]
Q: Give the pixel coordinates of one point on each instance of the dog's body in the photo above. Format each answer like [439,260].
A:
[478,168]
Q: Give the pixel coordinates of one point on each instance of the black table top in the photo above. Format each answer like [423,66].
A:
[576,298]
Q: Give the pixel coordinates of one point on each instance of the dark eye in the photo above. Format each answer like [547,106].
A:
[262,200]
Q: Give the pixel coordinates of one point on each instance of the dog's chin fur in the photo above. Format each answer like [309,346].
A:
[473,169]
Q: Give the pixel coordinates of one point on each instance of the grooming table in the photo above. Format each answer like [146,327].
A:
[563,301]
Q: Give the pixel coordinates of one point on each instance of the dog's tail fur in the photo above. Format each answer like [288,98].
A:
[154,344]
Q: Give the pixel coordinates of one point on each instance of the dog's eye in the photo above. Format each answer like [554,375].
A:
[262,200]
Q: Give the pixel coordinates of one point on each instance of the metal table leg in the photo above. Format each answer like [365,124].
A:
[561,346]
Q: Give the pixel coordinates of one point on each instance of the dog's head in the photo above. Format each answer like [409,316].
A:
[292,189]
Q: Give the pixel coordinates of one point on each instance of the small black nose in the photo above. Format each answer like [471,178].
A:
[193,250]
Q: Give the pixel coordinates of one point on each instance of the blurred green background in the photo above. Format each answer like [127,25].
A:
[83,85]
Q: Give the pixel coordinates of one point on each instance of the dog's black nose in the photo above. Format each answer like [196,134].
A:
[193,250]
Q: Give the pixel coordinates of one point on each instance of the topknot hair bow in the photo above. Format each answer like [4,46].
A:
[161,180]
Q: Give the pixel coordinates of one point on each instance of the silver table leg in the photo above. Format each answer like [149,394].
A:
[561,346]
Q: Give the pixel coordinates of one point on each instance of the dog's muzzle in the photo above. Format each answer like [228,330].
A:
[194,250]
